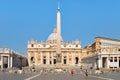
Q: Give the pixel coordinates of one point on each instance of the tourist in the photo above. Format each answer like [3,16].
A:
[86,74]
[81,69]
[72,72]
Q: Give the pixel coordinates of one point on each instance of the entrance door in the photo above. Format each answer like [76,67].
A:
[32,60]
[65,62]
[77,59]
[44,61]
[50,62]
[5,62]
[119,63]
[54,61]
[104,62]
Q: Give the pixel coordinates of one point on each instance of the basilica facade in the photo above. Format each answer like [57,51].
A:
[54,50]
[44,53]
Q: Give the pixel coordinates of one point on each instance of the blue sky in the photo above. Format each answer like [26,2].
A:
[23,20]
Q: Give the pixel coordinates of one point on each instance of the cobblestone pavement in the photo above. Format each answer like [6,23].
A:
[40,75]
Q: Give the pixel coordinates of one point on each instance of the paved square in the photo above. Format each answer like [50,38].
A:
[59,76]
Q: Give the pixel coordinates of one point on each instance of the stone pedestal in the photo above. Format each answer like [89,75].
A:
[58,64]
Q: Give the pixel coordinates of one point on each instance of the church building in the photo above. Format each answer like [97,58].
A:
[54,50]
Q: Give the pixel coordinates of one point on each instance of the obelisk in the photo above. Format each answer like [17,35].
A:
[58,51]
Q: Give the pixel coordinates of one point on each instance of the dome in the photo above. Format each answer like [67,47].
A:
[53,36]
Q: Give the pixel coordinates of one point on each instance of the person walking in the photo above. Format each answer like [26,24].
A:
[72,72]
[81,69]
[86,74]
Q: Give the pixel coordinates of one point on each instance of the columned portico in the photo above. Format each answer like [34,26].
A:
[9,59]
[5,61]
[106,61]
[1,61]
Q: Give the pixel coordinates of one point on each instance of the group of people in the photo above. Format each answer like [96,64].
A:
[85,72]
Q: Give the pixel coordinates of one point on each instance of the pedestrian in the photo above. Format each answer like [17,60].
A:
[41,71]
[81,69]
[86,74]
[91,68]
[72,72]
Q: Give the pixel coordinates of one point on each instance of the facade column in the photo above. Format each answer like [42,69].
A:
[48,58]
[73,58]
[117,62]
[8,61]
[36,59]
[29,62]
[108,62]
[62,58]
[41,57]
[113,59]
[51,59]
[11,61]
[1,62]
[99,61]
[67,58]
[78,58]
